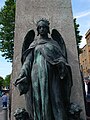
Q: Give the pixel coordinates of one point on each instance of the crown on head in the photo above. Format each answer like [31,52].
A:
[43,20]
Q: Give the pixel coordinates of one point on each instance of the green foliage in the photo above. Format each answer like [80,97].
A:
[7,80]
[1,81]
[78,36]
[7,25]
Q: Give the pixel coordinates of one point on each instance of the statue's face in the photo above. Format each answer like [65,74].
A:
[42,29]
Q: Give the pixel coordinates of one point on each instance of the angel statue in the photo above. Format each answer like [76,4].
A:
[45,77]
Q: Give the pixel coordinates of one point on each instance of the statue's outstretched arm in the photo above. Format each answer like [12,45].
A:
[23,80]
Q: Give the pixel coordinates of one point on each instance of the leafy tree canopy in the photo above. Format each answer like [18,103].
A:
[1,81]
[7,80]
[78,36]
[7,25]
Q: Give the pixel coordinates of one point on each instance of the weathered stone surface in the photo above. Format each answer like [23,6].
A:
[59,13]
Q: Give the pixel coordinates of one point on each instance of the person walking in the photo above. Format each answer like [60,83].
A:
[4,100]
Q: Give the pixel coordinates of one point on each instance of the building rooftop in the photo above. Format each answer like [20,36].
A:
[87,33]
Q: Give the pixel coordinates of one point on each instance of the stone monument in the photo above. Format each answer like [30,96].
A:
[59,13]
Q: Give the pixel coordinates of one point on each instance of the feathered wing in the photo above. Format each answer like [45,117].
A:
[27,41]
[58,38]
[29,38]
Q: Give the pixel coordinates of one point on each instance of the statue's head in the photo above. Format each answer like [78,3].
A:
[43,27]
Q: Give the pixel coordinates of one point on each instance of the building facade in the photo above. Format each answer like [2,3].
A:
[85,56]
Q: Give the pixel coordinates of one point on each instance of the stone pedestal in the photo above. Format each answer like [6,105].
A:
[59,13]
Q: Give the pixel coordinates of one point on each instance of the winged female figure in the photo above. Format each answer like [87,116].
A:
[45,77]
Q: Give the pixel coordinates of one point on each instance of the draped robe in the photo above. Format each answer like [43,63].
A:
[48,96]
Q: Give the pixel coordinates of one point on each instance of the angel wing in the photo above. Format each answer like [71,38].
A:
[29,38]
[27,41]
[58,38]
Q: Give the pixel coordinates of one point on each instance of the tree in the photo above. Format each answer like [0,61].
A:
[78,36]
[7,25]
[1,82]
[7,80]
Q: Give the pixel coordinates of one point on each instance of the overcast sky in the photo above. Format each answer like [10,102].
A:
[81,11]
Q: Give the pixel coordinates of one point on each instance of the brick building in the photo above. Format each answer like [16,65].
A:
[85,66]
[85,56]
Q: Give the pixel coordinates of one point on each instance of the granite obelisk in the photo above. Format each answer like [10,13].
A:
[59,13]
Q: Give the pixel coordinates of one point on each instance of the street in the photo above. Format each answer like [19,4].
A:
[0,104]
[1,111]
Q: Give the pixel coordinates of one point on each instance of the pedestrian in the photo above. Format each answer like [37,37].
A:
[4,100]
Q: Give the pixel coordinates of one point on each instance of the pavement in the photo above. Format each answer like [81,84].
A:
[2,112]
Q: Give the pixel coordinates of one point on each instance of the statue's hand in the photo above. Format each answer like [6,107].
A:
[22,85]
[19,80]
[62,70]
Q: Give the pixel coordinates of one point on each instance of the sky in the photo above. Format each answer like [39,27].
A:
[5,67]
[81,11]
